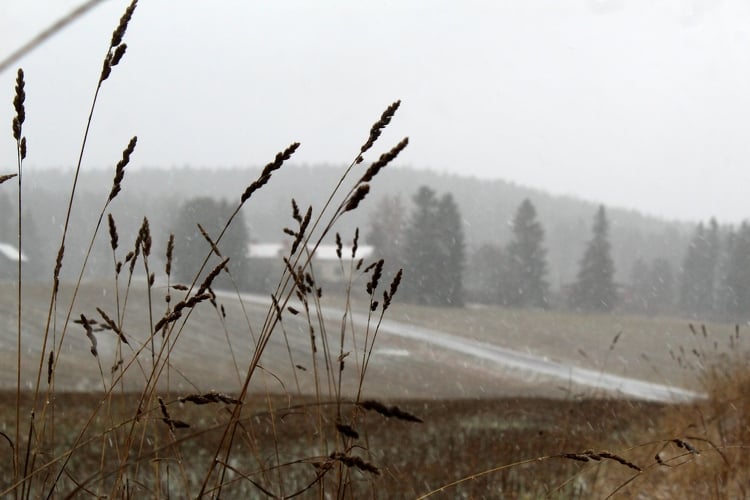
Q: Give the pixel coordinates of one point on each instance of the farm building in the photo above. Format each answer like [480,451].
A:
[266,264]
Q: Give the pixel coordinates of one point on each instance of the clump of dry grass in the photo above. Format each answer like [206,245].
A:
[702,447]
[139,441]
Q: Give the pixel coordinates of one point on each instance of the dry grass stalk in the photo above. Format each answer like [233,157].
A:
[113,237]
[120,168]
[384,160]
[296,215]
[347,430]
[377,273]
[212,276]
[389,411]
[355,243]
[144,236]
[209,397]
[356,198]
[378,127]
[169,255]
[90,335]
[211,243]
[590,455]
[388,294]
[112,325]
[167,419]
[339,246]
[265,175]
[116,48]
[58,266]
[6,177]
[18,105]
[355,461]
[50,364]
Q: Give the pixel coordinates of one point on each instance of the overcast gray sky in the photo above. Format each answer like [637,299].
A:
[642,104]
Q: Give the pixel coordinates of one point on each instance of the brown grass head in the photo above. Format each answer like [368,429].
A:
[120,168]
[355,243]
[377,273]
[18,105]
[384,160]
[356,198]
[378,126]
[265,175]
[145,237]
[90,334]
[113,238]
[211,243]
[6,177]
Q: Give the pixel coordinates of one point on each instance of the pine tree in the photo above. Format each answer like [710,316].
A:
[595,288]
[450,291]
[420,261]
[737,279]
[699,270]
[525,284]
[434,251]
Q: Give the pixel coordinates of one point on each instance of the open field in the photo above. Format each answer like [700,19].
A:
[536,434]
[215,350]
[456,439]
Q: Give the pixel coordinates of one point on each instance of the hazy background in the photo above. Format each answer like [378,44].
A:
[639,104]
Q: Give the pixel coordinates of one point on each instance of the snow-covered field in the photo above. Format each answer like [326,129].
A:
[418,352]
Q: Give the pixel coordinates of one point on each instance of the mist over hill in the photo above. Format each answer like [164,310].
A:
[486,206]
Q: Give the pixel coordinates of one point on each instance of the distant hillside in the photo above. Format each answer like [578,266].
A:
[487,208]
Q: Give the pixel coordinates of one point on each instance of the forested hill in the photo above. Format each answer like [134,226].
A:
[486,207]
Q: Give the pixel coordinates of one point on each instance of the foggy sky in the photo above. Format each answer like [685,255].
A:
[641,104]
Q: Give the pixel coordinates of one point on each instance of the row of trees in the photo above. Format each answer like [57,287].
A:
[716,272]
[429,244]
[713,281]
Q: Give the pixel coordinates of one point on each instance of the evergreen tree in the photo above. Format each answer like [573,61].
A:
[191,248]
[595,288]
[525,284]
[420,261]
[724,298]
[433,251]
[450,291]
[737,279]
[697,290]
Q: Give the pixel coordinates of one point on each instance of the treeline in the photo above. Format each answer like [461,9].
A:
[461,242]
[429,244]
[487,207]
[427,240]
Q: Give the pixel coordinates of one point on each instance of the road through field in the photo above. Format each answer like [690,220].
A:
[529,367]
[410,359]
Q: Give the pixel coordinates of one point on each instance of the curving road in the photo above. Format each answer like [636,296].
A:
[506,361]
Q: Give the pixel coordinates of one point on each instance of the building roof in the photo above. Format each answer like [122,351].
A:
[10,252]
[324,252]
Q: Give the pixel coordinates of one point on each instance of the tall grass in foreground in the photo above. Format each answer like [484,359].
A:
[144,446]
[138,435]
